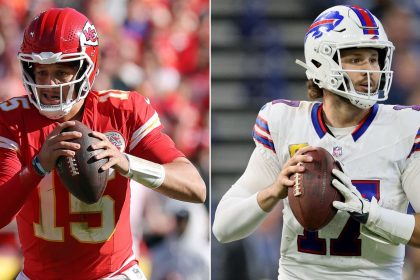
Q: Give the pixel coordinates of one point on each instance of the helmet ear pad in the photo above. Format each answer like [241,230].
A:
[321,66]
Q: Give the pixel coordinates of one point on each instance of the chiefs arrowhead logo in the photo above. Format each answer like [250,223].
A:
[89,35]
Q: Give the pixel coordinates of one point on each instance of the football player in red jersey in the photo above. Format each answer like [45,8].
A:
[62,237]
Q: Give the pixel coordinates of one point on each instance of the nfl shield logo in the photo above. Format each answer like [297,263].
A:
[337,151]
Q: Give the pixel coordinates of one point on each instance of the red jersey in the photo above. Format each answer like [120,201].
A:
[62,237]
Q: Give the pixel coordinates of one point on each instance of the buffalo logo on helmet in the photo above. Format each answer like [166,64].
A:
[89,35]
[324,23]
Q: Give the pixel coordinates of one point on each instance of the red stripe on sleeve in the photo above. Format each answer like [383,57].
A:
[367,18]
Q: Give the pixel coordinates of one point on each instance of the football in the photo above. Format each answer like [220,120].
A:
[313,193]
[81,174]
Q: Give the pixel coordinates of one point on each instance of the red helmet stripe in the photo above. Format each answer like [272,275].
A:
[367,20]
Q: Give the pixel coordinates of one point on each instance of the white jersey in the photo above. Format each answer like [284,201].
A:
[374,155]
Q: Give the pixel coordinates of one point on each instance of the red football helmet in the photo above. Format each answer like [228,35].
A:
[56,36]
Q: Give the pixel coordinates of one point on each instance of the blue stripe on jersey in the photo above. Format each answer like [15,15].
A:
[415,148]
[264,141]
[262,124]
[418,132]
[410,209]
[316,121]
[362,128]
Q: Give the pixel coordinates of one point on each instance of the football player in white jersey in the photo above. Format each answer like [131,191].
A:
[348,58]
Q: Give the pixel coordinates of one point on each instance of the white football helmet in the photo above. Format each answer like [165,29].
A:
[343,27]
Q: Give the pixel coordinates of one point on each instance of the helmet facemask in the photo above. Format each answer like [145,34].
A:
[79,84]
[340,82]
[59,36]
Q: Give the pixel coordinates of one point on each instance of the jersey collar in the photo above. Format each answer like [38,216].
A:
[322,129]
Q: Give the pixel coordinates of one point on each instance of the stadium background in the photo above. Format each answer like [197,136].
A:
[254,46]
[159,48]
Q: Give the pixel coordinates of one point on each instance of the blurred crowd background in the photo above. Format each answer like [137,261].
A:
[159,48]
[254,46]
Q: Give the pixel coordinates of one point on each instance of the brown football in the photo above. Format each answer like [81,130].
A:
[81,174]
[313,193]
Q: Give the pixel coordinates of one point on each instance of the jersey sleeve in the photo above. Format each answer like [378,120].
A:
[264,137]
[410,182]
[9,152]
[148,140]
[411,174]
[16,181]
[238,213]
[415,149]
[261,133]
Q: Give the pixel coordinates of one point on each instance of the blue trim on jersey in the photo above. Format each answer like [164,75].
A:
[416,146]
[264,141]
[263,125]
[362,128]
[317,122]
[410,209]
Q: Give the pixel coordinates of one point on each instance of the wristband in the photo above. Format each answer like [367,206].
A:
[38,167]
[394,226]
[145,172]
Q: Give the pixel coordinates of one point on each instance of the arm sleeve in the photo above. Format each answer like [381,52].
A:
[16,185]
[411,181]
[238,213]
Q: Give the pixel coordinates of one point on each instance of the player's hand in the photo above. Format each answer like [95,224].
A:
[57,145]
[116,159]
[292,166]
[357,206]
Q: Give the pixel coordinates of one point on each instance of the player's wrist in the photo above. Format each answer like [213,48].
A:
[394,226]
[129,173]
[283,193]
[362,215]
[37,166]
[145,172]
[277,192]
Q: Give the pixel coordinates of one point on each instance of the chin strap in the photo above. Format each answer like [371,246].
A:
[145,172]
